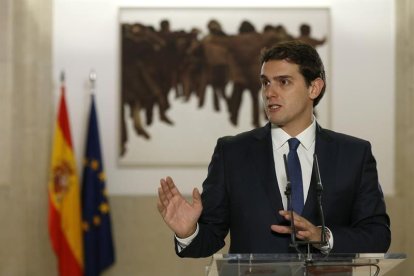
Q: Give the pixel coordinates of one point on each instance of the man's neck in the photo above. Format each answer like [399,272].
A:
[295,130]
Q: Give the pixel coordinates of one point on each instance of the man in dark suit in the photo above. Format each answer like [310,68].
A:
[244,189]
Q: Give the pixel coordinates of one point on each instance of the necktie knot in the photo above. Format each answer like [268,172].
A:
[293,144]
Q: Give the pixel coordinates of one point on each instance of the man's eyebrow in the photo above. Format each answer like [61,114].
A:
[282,77]
[276,77]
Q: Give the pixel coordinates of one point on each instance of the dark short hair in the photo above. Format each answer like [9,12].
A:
[165,24]
[297,52]
[305,29]
[246,27]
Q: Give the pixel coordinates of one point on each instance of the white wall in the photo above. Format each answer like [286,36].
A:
[361,78]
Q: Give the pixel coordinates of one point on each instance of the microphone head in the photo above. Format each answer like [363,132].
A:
[288,185]
[317,173]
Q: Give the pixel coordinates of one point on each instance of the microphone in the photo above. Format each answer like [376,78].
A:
[319,190]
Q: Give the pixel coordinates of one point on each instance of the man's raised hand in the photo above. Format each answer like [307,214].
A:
[179,214]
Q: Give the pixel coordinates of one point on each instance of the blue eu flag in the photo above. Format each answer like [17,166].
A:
[97,234]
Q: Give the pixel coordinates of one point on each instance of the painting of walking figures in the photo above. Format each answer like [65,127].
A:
[189,76]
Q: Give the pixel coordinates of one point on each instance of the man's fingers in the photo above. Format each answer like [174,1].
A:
[162,202]
[288,214]
[196,196]
[160,207]
[166,188]
[281,229]
[300,222]
[302,235]
[171,186]
[305,230]
[162,198]
[170,182]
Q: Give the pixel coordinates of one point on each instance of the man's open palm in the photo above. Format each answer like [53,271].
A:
[179,214]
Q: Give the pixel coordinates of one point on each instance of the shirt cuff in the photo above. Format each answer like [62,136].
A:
[183,243]
[327,248]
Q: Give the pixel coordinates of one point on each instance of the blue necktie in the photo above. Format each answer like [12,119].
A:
[295,173]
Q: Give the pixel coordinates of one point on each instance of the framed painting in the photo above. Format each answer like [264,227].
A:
[191,75]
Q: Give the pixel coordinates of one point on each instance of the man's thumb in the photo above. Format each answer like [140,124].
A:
[196,196]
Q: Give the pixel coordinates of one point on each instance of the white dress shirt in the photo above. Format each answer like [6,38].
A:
[305,152]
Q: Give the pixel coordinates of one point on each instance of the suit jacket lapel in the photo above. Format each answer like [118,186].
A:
[265,166]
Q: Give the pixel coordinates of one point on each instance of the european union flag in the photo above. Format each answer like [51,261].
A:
[97,234]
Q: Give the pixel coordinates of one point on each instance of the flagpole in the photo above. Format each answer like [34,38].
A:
[62,77]
[92,80]
[62,82]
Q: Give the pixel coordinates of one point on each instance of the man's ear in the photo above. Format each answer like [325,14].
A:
[315,88]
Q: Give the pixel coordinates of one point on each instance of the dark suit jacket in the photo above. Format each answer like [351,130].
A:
[241,194]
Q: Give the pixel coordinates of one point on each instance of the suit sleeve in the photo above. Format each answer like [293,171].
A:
[214,220]
[369,231]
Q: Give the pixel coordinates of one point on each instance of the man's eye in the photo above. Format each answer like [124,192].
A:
[284,82]
[265,82]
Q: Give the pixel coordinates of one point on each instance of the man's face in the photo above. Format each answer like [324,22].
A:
[287,100]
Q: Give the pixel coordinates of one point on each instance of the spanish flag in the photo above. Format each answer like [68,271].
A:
[65,228]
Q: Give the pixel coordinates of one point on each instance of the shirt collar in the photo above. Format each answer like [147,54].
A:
[306,137]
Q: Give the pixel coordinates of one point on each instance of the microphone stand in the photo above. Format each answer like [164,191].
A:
[288,192]
[319,190]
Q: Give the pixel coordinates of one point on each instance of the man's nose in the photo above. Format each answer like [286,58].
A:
[270,91]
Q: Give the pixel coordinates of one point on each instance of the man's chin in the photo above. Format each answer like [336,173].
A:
[276,122]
